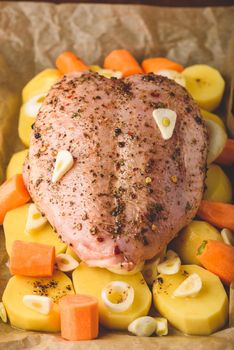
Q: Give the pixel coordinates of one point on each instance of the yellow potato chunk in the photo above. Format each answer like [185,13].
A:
[201,314]
[219,187]
[190,239]
[205,84]
[38,86]
[91,281]
[25,126]
[23,317]
[14,228]
[214,117]
[15,165]
[41,83]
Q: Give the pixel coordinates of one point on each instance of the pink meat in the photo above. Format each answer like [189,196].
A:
[129,191]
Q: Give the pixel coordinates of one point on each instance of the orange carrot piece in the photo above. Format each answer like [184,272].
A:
[217,213]
[154,65]
[68,62]
[123,61]
[13,194]
[32,259]
[79,317]
[218,257]
[227,155]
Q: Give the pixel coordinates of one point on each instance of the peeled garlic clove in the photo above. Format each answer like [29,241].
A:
[33,105]
[161,326]
[38,303]
[189,287]
[34,220]
[170,266]
[165,119]
[124,295]
[66,262]
[143,326]
[150,271]
[228,236]
[3,313]
[64,162]
[173,75]
[121,271]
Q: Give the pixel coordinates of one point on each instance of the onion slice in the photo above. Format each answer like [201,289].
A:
[125,292]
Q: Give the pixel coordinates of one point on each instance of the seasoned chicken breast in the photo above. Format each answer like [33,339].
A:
[129,191]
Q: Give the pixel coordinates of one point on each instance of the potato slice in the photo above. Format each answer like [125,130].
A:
[218,185]
[202,314]
[41,83]
[205,84]
[23,317]
[14,228]
[217,140]
[15,165]
[91,281]
[190,239]
[214,117]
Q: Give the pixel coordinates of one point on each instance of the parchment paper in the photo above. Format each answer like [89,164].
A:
[32,35]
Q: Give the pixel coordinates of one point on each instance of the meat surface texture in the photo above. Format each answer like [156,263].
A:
[129,191]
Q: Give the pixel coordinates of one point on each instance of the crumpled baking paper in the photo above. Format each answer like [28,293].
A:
[33,34]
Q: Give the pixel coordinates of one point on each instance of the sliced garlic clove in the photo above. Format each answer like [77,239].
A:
[120,271]
[66,262]
[228,236]
[150,271]
[64,162]
[191,286]
[3,313]
[170,266]
[173,75]
[33,105]
[118,296]
[38,303]
[143,326]
[161,326]
[165,119]
[34,220]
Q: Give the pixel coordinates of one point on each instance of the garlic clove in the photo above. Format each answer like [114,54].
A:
[38,303]
[228,236]
[143,326]
[33,105]
[34,220]
[64,162]
[170,266]
[191,286]
[66,262]
[121,293]
[161,326]
[165,119]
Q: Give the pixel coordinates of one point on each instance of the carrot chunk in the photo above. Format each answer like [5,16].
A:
[32,259]
[217,213]
[218,258]
[79,317]
[227,155]
[156,64]
[68,62]
[13,194]
[123,61]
